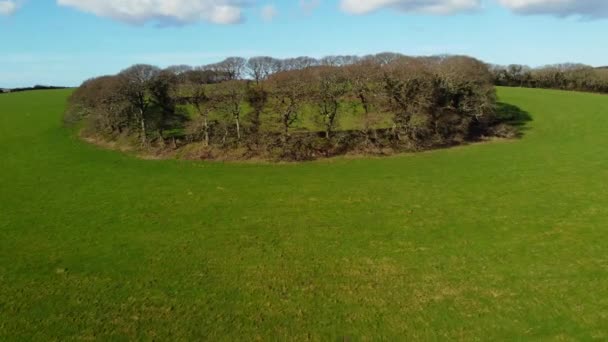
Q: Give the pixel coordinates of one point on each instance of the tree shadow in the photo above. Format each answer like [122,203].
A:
[514,116]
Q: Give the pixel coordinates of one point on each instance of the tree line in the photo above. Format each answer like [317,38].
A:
[36,87]
[568,76]
[256,107]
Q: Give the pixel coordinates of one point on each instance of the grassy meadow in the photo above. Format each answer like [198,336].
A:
[504,240]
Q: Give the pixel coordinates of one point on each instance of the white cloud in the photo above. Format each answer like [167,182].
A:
[309,5]
[562,8]
[8,7]
[414,6]
[269,12]
[176,11]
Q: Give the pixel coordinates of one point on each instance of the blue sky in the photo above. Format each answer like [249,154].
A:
[63,42]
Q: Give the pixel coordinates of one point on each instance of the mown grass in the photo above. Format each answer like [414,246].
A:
[495,241]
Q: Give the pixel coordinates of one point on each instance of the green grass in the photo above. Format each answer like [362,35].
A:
[496,241]
[351,114]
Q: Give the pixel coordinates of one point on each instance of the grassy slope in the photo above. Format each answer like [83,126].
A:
[490,241]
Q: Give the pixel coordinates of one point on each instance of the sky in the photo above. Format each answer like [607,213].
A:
[64,42]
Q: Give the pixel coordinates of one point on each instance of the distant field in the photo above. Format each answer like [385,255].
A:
[351,117]
[496,241]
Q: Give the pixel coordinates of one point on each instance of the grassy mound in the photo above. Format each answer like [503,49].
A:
[493,241]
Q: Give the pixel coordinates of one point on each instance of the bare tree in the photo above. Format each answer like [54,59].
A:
[257,98]
[298,63]
[329,86]
[230,96]
[259,68]
[288,91]
[178,69]
[386,58]
[409,86]
[338,61]
[232,67]
[194,91]
[464,97]
[333,61]
[366,85]
[101,103]
[164,93]
[136,89]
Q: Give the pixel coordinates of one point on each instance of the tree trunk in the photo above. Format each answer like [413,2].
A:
[238,128]
[225,135]
[285,129]
[161,140]
[367,119]
[144,139]
[206,128]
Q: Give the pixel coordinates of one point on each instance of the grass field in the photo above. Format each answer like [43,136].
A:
[496,241]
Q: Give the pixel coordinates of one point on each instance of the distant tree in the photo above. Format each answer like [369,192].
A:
[135,86]
[259,68]
[230,97]
[178,69]
[566,76]
[164,94]
[257,98]
[232,67]
[100,102]
[333,61]
[465,96]
[517,75]
[410,88]
[338,61]
[288,90]
[366,86]
[298,63]
[386,58]
[194,91]
[329,85]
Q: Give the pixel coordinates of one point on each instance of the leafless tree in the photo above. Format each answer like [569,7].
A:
[366,86]
[259,68]
[288,91]
[135,86]
[178,69]
[409,87]
[329,85]
[232,67]
[230,97]
[338,61]
[164,93]
[194,90]
[386,58]
[298,63]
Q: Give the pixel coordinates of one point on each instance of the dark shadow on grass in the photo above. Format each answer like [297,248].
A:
[513,116]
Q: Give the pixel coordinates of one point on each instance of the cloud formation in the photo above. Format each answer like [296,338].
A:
[410,6]
[309,5]
[231,11]
[561,8]
[269,12]
[8,7]
[171,11]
